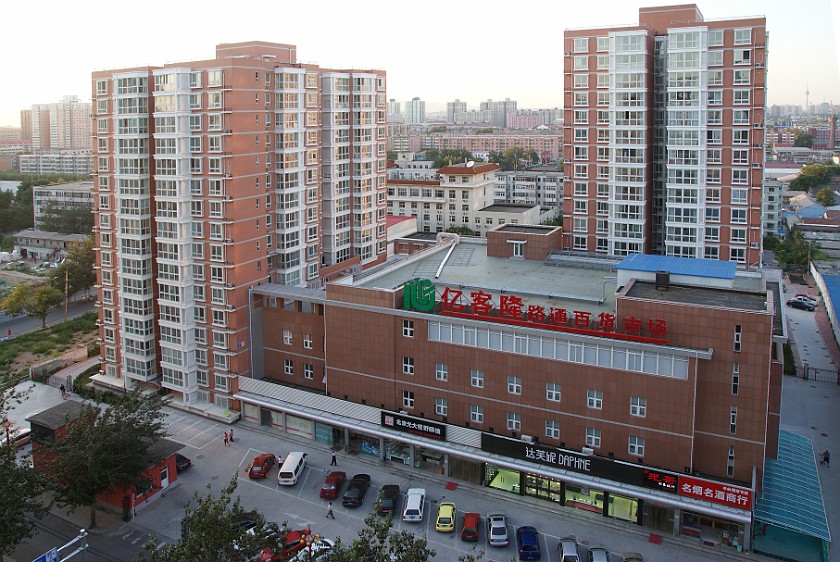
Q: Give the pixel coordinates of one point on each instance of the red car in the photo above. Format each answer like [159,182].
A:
[261,465]
[332,484]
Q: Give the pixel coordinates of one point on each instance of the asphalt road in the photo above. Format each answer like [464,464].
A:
[25,324]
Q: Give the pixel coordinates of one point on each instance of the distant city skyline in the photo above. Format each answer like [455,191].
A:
[438,53]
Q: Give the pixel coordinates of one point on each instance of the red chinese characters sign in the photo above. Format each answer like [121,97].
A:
[511,309]
[717,492]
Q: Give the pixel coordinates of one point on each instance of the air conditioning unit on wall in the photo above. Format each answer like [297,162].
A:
[589,451]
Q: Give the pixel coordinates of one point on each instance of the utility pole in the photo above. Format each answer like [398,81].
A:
[66,296]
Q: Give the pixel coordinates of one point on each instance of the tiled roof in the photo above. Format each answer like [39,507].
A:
[463,170]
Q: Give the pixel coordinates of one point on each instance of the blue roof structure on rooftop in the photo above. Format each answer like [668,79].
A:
[715,269]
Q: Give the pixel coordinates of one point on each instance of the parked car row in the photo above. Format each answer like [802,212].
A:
[528,545]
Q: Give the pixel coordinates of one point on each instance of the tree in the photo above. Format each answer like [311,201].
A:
[802,138]
[462,230]
[391,155]
[77,267]
[514,158]
[211,530]
[449,156]
[825,197]
[74,220]
[377,542]
[796,251]
[34,301]
[22,487]
[105,447]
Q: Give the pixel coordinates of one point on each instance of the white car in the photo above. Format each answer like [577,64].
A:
[415,502]
[497,532]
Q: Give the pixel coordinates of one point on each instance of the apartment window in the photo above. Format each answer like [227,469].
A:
[714,136]
[581,135]
[581,207]
[712,214]
[730,462]
[737,338]
[581,81]
[712,234]
[743,36]
[738,195]
[408,399]
[581,153]
[740,177]
[715,78]
[477,378]
[736,378]
[476,413]
[594,399]
[307,341]
[715,38]
[733,419]
[287,337]
[740,156]
[408,328]
[602,62]
[603,99]
[741,97]
[738,255]
[441,371]
[593,437]
[738,216]
[579,243]
[441,406]
[288,367]
[581,45]
[408,365]
[636,446]
[715,58]
[552,429]
[742,56]
[638,406]
[581,62]
[603,81]
[308,371]
[713,156]
[715,97]
[514,421]
[514,385]
[581,99]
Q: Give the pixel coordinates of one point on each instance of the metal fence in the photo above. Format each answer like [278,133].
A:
[822,375]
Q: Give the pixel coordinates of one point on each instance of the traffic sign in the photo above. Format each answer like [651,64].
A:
[49,556]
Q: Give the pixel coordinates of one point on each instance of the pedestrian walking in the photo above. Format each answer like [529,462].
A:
[826,458]
[330,511]
[333,462]
[231,435]
[63,391]
[226,438]
[9,333]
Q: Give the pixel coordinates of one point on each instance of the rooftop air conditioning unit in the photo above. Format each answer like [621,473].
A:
[588,451]
[528,439]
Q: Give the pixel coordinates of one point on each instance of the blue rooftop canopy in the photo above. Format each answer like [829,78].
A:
[715,269]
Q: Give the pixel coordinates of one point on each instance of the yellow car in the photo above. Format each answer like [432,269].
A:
[445,522]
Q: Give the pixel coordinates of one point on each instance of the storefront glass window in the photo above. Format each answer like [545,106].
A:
[540,487]
[501,478]
[589,499]
[622,507]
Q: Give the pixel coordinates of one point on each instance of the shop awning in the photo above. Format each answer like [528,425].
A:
[792,496]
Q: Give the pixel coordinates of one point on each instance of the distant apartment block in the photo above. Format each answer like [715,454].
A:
[532,118]
[215,176]
[453,108]
[26,125]
[542,185]
[499,111]
[65,196]
[61,125]
[548,145]
[76,162]
[415,111]
[409,167]
[664,131]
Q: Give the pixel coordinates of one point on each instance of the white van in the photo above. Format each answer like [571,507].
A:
[414,503]
[292,469]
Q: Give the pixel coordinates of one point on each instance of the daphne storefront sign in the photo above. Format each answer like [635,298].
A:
[421,295]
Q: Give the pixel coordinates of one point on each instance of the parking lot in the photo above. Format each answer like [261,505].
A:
[300,506]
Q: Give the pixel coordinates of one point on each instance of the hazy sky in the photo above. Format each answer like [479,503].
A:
[434,49]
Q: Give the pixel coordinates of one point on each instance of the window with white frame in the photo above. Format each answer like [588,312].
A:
[636,446]
[743,36]
[514,421]
[593,437]
[730,462]
[288,367]
[581,62]
[408,328]
[715,38]
[581,81]
[408,365]
[514,385]
[736,378]
[307,341]
[476,413]
[738,216]
[738,195]
[741,77]
[737,338]
[441,406]
[408,399]
[638,406]
[594,399]
[287,337]
[308,371]
[476,378]
[741,97]
[742,56]
[581,99]
[715,58]
[733,419]
[581,44]
[603,43]
[552,429]
[441,371]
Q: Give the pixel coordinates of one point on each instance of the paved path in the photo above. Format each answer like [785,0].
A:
[25,324]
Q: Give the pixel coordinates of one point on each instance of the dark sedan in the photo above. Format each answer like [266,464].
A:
[388,499]
[356,490]
[182,463]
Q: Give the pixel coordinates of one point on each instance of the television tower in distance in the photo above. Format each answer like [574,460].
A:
[807,104]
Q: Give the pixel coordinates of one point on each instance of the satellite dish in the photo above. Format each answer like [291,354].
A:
[470,164]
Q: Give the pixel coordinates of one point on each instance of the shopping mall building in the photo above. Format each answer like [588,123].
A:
[645,389]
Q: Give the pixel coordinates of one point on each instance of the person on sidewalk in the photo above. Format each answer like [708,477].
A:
[226,438]
[330,511]
[231,435]
[826,458]
[63,391]
[333,462]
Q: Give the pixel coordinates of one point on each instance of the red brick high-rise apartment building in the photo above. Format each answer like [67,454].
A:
[213,177]
[664,136]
